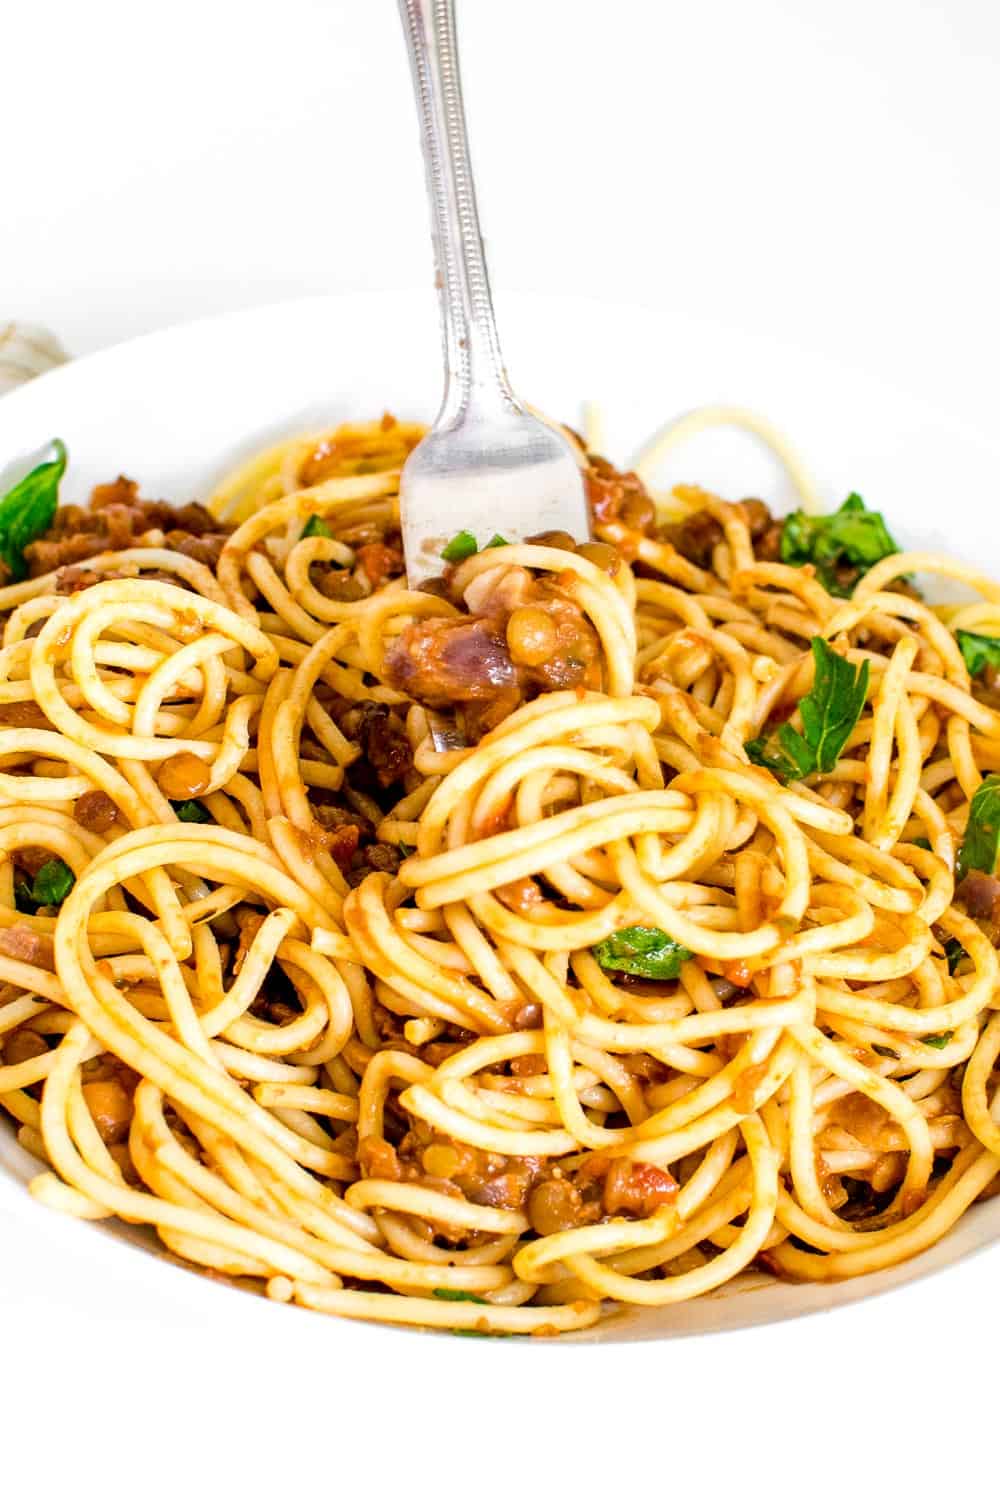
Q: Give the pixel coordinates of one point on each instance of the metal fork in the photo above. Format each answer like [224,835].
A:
[487,466]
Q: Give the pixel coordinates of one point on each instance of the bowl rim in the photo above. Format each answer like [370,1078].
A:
[14,1198]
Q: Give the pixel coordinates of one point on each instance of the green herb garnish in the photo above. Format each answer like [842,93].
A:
[646,951]
[784,753]
[192,811]
[922,843]
[452,1294]
[979,651]
[978,850]
[407,849]
[938,1039]
[27,510]
[884,1051]
[954,953]
[53,883]
[852,538]
[315,526]
[829,713]
[461,546]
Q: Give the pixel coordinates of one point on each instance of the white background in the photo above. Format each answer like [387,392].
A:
[824,173]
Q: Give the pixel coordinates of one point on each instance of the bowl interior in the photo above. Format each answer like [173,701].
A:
[176,409]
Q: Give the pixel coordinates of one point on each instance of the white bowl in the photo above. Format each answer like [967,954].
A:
[176,409]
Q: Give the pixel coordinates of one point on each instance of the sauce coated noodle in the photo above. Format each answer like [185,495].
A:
[594,1010]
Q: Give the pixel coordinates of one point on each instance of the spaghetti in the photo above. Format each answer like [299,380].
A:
[652,977]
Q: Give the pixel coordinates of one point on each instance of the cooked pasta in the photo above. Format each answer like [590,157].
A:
[583,929]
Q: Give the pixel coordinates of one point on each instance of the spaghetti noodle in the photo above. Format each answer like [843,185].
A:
[637,986]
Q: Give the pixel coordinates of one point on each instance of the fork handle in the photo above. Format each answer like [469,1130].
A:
[474,369]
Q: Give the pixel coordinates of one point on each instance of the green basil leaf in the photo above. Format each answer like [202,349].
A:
[28,509]
[192,811]
[461,546]
[938,1039]
[829,712]
[315,526]
[978,849]
[833,706]
[979,651]
[852,539]
[646,951]
[496,540]
[798,538]
[53,883]
[785,753]
[453,1294]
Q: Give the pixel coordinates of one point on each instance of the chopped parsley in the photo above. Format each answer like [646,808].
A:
[978,651]
[315,526]
[829,713]
[192,811]
[954,953]
[842,546]
[453,1294]
[461,546]
[53,883]
[28,509]
[937,1039]
[647,952]
[978,849]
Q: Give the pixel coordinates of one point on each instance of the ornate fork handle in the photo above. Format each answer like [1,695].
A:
[476,376]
